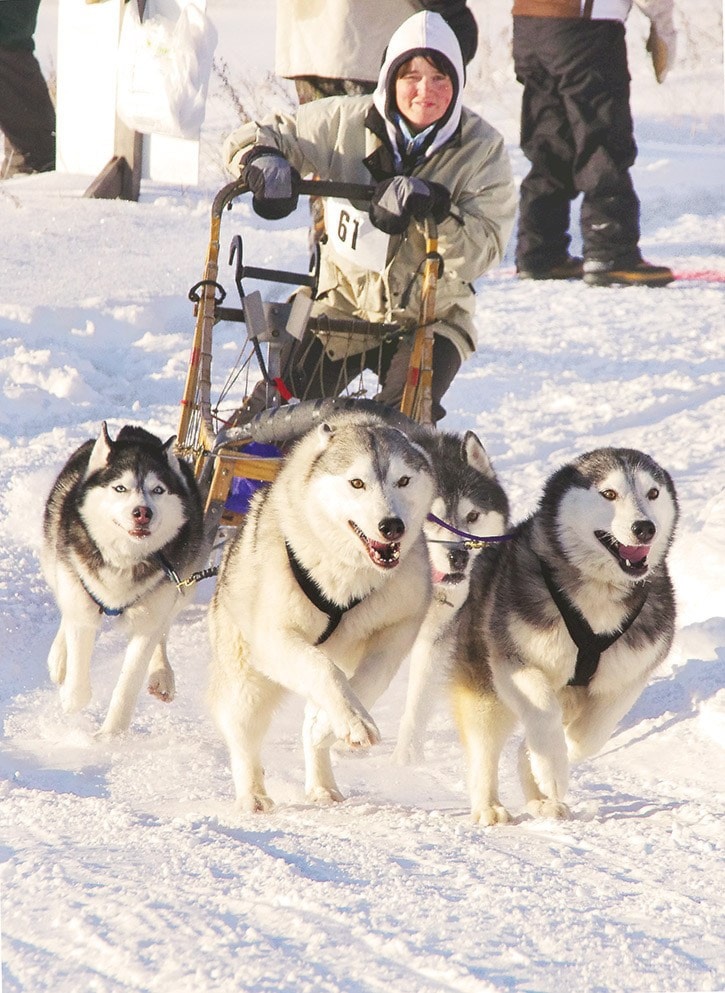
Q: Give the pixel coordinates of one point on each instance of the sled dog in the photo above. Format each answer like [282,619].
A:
[563,626]
[468,497]
[321,592]
[122,523]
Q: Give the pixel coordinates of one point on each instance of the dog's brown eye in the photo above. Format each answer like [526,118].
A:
[609,494]
[653,493]
[404,480]
[357,484]
[472,517]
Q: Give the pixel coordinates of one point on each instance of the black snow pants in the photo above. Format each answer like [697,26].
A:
[577,133]
[27,115]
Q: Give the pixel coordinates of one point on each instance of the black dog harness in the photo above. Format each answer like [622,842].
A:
[590,646]
[316,597]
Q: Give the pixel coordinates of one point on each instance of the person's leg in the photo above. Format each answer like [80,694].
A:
[27,115]
[595,86]
[595,89]
[547,142]
[394,374]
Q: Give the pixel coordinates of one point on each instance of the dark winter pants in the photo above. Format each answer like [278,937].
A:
[577,133]
[27,115]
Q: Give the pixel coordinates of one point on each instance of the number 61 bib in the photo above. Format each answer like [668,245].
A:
[352,236]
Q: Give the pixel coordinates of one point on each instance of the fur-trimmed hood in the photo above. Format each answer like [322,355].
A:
[420,33]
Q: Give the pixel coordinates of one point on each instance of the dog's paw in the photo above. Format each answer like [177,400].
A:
[162,686]
[489,814]
[324,795]
[355,730]
[255,803]
[555,809]
[407,753]
[361,732]
[74,698]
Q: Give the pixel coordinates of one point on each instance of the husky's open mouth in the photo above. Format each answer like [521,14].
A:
[385,554]
[632,559]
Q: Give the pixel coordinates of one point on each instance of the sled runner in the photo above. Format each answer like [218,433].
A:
[232,447]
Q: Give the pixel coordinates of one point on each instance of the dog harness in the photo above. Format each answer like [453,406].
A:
[170,573]
[316,597]
[590,646]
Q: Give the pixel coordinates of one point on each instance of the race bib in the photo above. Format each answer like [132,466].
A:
[352,236]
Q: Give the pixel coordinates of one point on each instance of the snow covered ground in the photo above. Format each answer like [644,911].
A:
[125,866]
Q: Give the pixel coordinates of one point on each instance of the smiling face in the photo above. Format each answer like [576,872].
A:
[423,93]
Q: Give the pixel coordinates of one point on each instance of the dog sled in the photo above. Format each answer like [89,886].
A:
[232,455]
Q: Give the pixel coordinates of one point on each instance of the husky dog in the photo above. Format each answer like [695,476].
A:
[322,592]
[470,499]
[123,521]
[563,626]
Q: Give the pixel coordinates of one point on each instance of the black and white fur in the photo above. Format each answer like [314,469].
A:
[349,502]
[603,528]
[468,497]
[113,510]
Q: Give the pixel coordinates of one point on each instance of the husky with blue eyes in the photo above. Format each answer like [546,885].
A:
[122,529]
[564,625]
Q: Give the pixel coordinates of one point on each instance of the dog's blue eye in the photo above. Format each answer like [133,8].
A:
[120,488]
[404,480]
[158,490]
[653,493]
[609,494]
[357,484]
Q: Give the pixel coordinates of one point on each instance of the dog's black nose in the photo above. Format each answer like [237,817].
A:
[644,530]
[458,558]
[142,515]
[392,528]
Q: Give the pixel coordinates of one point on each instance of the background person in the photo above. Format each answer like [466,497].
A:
[428,156]
[27,114]
[577,133]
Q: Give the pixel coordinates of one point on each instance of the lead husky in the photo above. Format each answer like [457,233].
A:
[590,559]
[122,522]
[468,498]
[322,593]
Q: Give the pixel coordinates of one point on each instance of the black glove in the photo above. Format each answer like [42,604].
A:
[397,201]
[272,180]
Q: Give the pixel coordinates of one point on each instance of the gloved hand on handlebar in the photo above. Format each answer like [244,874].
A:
[398,200]
[272,180]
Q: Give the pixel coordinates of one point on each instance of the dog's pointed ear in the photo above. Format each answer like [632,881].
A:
[100,452]
[325,432]
[476,455]
[171,458]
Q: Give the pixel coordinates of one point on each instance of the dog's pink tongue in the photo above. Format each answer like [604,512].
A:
[634,553]
[437,576]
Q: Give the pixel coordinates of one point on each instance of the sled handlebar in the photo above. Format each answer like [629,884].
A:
[307,187]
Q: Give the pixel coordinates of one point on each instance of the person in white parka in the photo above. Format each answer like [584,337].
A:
[426,155]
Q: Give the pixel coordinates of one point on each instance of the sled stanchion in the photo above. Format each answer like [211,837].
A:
[417,400]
